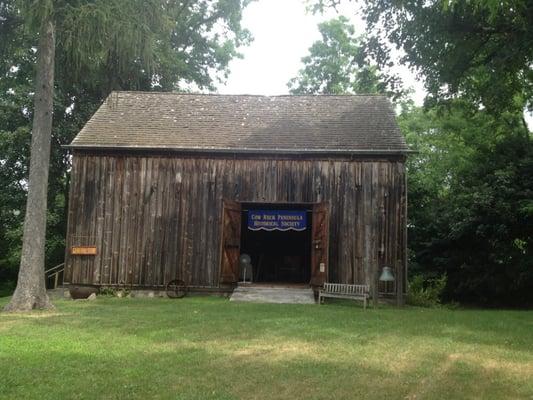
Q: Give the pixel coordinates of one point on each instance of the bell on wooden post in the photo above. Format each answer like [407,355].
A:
[386,275]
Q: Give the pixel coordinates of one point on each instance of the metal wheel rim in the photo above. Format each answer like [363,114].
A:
[176,289]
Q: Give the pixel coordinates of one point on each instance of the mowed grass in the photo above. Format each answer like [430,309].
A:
[210,348]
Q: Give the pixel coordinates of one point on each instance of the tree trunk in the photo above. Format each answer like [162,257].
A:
[31,290]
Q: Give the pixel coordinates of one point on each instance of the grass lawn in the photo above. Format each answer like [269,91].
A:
[209,348]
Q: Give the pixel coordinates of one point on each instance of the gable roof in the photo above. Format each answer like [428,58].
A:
[244,123]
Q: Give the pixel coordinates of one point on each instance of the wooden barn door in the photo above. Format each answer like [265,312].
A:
[231,242]
[319,244]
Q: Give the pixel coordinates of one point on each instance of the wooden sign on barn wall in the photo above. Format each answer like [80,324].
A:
[83,250]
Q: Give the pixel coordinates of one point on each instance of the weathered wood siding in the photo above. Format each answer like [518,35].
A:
[157,217]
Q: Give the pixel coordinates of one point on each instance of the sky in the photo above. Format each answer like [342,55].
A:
[283,31]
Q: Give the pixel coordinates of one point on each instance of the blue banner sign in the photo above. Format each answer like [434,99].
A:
[277,220]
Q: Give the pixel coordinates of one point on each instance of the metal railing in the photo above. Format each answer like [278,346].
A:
[52,276]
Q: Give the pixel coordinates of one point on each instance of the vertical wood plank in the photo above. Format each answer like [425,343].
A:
[158,217]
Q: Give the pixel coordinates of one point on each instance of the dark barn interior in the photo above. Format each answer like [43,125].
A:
[278,256]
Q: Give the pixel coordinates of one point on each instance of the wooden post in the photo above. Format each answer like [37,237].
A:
[399,284]
[375,282]
[402,270]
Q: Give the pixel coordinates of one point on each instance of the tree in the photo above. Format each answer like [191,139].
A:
[31,291]
[470,208]
[337,64]
[105,45]
[480,50]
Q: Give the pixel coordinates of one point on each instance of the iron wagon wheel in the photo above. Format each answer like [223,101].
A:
[176,289]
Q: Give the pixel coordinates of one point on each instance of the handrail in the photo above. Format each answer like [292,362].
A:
[54,272]
[57,266]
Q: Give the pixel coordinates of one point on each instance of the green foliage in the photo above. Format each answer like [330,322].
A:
[14,148]
[426,292]
[113,292]
[470,182]
[470,191]
[337,64]
[107,291]
[7,287]
[128,44]
[480,50]
[101,45]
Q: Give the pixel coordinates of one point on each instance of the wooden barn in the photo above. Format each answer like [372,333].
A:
[177,186]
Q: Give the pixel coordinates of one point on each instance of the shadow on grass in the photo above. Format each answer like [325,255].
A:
[160,319]
[210,348]
[192,372]
[201,317]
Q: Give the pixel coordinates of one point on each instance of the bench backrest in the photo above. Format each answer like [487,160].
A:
[341,288]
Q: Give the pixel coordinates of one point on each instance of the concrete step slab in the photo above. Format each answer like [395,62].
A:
[281,295]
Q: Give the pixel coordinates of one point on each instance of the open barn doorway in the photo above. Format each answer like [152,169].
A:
[297,256]
[277,237]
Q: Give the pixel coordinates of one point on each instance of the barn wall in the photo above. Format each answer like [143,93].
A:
[155,218]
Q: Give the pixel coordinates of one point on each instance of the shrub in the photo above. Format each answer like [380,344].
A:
[107,291]
[7,288]
[426,292]
[114,292]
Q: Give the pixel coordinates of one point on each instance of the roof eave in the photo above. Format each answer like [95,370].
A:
[242,150]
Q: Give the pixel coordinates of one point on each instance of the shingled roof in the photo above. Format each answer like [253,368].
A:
[244,123]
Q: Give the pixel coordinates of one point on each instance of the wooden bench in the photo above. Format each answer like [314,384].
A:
[344,291]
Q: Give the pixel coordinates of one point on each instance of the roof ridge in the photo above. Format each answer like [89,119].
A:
[144,92]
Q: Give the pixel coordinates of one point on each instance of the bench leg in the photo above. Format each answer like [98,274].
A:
[364,303]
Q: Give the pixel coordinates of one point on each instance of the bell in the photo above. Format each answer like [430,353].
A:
[386,275]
